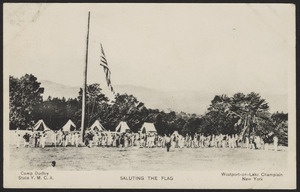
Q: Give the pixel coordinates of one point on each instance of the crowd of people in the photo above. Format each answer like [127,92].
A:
[95,138]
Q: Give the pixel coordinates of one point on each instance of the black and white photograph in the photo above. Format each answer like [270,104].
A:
[150,95]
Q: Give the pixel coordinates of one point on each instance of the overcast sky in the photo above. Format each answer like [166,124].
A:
[201,47]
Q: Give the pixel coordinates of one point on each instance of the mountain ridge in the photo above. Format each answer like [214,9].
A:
[166,100]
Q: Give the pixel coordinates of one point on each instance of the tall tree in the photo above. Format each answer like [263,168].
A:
[249,110]
[24,95]
[128,108]
[215,120]
[96,103]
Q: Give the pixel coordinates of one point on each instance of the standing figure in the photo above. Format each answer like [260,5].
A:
[109,139]
[212,141]
[195,142]
[73,135]
[59,138]
[231,142]
[39,137]
[236,139]
[202,140]
[54,138]
[257,142]
[163,142]
[168,142]
[262,143]
[117,140]
[76,139]
[64,139]
[27,139]
[122,140]
[251,142]
[187,140]
[247,142]
[217,141]
[275,142]
[220,140]
[43,140]
[143,140]
[198,140]
[96,139]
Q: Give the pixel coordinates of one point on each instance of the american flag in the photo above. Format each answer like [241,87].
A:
[103,62]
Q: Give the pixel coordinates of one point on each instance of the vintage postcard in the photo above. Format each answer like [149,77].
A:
[189,96]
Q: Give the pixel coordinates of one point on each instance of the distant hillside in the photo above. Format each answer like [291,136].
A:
[189,102]
[186,101]
[58,90]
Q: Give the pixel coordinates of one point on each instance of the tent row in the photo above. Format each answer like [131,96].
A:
[96,126]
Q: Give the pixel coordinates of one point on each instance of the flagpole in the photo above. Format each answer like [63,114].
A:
[84,82]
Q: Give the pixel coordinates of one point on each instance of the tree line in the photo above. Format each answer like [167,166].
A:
[243,114]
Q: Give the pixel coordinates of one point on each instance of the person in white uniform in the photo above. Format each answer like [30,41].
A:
[275,142]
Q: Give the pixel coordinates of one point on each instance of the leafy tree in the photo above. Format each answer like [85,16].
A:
[216,121]
[242,114]
[281,127]
[191,126]
[161,124]
[24,95]
[179,124]
[248,110]
[96,103]
[127,108]
[55,112]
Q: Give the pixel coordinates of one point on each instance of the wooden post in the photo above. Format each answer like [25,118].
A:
[84,82]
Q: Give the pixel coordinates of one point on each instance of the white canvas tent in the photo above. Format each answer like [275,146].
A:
[122,127]
[148,127]
[97,126]
[41,126]
[175,133]
[69,126]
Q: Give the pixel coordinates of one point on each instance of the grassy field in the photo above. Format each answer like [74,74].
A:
[155,159]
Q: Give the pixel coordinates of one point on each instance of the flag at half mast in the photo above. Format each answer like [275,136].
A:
[103,62]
